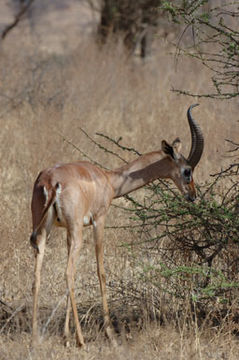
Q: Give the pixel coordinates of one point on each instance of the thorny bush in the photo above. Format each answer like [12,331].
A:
[189,251]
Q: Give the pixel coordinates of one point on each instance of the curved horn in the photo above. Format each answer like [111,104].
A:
[197,140]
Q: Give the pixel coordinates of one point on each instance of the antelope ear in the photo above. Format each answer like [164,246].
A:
[177,145]
[168,149]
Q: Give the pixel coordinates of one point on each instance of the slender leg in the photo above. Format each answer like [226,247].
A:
[41,240]
[68,304]
[76,242]
[67,320]
[98,237]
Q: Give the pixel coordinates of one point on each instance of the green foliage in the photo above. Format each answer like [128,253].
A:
[171,9]
[195,245]
[215,40]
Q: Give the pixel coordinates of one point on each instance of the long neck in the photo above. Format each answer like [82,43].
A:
[140,172]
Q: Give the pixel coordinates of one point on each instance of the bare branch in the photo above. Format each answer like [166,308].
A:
[18,17]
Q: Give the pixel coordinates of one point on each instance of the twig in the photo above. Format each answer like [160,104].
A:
[17,18]
[53,313]
[233,143]
[12,316]
[102,147]
[78,149]
[119,145]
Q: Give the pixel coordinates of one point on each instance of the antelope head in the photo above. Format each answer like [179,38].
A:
[182,169]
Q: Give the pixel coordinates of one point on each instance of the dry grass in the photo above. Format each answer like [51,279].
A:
[46,97]
[153,343]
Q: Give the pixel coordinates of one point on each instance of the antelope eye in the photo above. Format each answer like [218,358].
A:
[187,172]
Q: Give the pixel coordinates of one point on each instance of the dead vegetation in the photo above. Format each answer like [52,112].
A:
[45,100]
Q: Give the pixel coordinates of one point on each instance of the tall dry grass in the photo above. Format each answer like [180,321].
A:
[45,99]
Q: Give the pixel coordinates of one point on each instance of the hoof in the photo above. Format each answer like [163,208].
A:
[66,342]
[110,335]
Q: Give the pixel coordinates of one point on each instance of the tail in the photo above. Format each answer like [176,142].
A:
[33,238]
